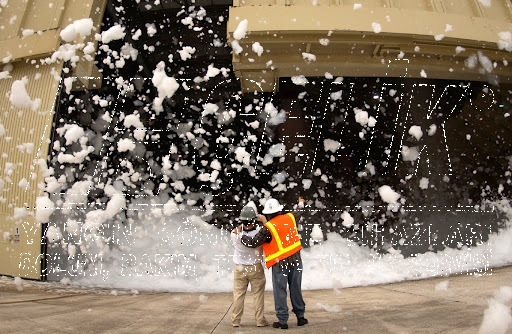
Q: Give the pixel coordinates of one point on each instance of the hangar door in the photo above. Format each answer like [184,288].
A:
[24,142]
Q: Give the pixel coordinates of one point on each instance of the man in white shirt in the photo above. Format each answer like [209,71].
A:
[248,268]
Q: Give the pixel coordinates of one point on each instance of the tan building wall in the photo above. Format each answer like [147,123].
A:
[29,34]
[380,38]
[344,41]
[26,140]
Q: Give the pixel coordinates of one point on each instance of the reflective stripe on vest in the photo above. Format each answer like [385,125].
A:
[280,248]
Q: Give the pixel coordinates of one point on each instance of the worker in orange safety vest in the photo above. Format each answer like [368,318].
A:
[281,246]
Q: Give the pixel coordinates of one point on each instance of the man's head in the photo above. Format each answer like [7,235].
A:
[272,207]
[248,216]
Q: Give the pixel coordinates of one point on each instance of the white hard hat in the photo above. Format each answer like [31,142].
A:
[272,206]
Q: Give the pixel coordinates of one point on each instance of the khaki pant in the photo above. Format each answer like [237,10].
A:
[243,275]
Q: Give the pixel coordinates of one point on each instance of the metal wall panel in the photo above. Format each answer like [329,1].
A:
[311,2]
[26,140]
[365,3]
[46,19]
[42,15]
[425,5]
[10,20]
[28,131]
[374,33]
[500,10]
[467,8]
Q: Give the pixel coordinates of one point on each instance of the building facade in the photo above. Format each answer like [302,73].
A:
[316,60]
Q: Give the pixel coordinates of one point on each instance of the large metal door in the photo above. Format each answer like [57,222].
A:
[25,144]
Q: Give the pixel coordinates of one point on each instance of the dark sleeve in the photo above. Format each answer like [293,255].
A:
[259,239]
[298,215]
[298,212]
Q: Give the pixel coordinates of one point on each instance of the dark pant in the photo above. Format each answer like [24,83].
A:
[291,275]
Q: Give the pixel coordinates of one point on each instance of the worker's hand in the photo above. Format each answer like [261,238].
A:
[301,201]
[237,229]
[262,218]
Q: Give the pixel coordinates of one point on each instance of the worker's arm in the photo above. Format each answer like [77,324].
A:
[259,239]
[298,209]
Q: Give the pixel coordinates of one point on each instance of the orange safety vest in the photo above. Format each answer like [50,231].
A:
[285,239]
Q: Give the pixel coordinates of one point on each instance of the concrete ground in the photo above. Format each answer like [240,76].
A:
[453,304]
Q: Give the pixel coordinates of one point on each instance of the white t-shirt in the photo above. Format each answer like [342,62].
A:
[245,255]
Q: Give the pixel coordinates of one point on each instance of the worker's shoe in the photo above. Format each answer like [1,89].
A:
[302,321]
[263,324]
[279,325]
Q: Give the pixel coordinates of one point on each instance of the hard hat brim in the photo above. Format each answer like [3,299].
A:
[279,208]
